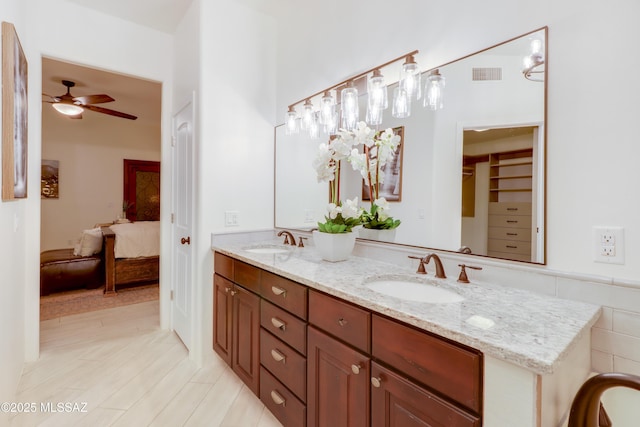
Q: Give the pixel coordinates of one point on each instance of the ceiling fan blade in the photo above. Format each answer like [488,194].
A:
[93,99]
[110,112]
[53,98]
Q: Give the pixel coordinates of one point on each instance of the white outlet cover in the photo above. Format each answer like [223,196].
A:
[608,244]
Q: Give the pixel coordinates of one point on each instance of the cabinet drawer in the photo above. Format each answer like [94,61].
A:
[395,398]
[443,366]
[285,293]
[223,265]
[510,255]
[284,325]
[515,234]
[347,322]
[247,276]
[510,221]
[509,246]
[284,363]
[281,402]
[510,208]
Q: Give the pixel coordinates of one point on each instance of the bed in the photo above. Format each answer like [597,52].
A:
[131,254]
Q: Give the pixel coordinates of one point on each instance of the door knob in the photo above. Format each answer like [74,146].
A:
[186,240]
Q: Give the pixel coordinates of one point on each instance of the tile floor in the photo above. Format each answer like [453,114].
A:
[129,372]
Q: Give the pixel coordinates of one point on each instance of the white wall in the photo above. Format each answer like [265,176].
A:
[13,250]
[235,152]
[90,154]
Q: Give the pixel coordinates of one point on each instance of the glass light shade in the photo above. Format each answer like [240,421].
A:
[307,114]
[350,110]
[401,107]
[327,108]
[374,115]
[68,109]
[434,91]
[377,91]
[314,126]
[410,78]
[330,127]
[291,122]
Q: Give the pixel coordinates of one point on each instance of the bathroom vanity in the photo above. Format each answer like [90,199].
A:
[321,346]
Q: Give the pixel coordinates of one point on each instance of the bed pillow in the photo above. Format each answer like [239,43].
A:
[90,243]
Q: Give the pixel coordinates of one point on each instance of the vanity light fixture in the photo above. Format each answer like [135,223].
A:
[67,108]
[401,103]
[534,62]
[291,123]
[328,118]
[350,111]
[410,78]
[434,90]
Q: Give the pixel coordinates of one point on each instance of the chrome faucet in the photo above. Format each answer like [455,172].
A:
[288,237]
[425,260]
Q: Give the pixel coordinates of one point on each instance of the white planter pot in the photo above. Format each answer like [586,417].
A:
[334,247]
[379,235]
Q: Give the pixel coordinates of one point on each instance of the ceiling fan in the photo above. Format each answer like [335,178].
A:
[73,107]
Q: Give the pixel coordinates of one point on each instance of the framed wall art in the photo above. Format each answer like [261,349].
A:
[391,189]
[49,178]
[14,116]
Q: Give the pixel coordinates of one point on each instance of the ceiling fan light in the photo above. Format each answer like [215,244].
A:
[68,109]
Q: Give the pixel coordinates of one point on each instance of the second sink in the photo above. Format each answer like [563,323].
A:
[413,290]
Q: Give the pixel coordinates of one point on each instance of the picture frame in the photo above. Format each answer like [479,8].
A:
[49,179]
[14,115]
[391,189]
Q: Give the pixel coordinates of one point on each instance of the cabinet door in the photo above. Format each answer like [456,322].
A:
[337,383]
[222,307]
[245,332]
[397,402]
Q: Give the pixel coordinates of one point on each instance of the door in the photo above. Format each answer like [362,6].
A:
[337,383]
[182,222]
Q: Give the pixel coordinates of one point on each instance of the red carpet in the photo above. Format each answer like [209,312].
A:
[81,301]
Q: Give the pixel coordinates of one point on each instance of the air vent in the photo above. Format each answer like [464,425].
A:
[484,74]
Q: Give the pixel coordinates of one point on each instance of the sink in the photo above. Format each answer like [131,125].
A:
[267,250]
[413,290]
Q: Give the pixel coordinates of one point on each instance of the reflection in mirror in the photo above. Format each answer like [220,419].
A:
[457,161]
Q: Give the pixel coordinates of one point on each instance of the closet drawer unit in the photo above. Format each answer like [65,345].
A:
[509,208]
[284,363]
[346,322]
[510,221]
[515,234]
[283,325]
[285,293]
[510,256]
[247,276]
[509,246]
[450,369]
[223,265]
[281,402]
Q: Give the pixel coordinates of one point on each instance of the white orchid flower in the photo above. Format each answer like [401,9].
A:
[350,208]
[364,135]
[383,208]
[334,210]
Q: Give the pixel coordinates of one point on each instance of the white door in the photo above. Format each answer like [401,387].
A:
[182,223]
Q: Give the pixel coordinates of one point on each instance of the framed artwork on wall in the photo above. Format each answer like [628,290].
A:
[49,179]
[14,116]
[391,188]
[141,190]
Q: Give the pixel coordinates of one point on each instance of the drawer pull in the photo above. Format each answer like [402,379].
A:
[512,209]
[278,323]
[512,234]
[376,382]
[512,221]
[277,399]
[227,289]
[278,357]
[279,291]
[234,292]
[355,369]
[512,247]
[342,322]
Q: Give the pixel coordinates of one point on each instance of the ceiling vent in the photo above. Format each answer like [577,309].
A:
[484,74]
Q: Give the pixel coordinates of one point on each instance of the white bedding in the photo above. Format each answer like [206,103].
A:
[137,239]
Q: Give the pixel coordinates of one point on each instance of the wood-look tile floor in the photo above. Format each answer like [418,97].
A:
[129,373]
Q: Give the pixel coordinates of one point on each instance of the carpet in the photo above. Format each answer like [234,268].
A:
[83,300]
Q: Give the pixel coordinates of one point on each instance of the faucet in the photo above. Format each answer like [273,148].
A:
[288,237]
[586,410]
[425,260]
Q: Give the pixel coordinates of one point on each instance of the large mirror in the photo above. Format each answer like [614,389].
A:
[472,172]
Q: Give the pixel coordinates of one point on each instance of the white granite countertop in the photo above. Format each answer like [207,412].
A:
[530,330]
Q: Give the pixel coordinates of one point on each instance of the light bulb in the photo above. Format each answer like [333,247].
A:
[307,114]
[401,103]
[68,109]
[327,108]
[410,78]
[291,122]
[434,91]
[350,108]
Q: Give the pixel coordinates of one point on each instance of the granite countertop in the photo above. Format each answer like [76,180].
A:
[530,330]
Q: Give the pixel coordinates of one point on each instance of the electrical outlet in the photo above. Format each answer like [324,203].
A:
[608,245]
